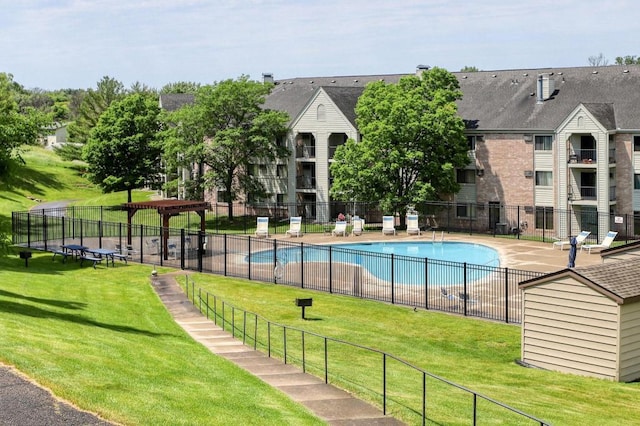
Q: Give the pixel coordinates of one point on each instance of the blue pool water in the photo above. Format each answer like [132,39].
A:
[405,259]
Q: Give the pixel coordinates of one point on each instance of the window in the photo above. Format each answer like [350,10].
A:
[636,181]
[636,143]
[466,210]
[321,113]
[281,198]
[465,176]
[471,143]
[281,170]
[544,143]
[544,217]
[544,178]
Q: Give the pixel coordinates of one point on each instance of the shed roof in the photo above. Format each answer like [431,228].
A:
[169,206]
[615,280]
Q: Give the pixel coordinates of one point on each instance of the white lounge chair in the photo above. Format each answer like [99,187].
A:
[606,243]
[340,229]
[413,228]
[295,225]
[262,227]
[388,225]
[358,226]
[579,240]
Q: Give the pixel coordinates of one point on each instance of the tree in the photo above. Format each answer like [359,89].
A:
[94,103]
[468,68]
[180,87]
[227,130]
[123,152]
[412,140]
[627,60]
[598,61]
[18,127]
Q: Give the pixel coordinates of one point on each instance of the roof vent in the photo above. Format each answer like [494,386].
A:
[267,77]
[625,71]
[421,68]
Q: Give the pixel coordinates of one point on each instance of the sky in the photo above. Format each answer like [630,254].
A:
[59,44]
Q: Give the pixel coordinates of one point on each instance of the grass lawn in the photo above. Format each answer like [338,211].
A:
[103,340]
[474,353]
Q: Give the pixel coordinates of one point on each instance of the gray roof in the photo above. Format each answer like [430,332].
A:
[345,99]
[174,101]
[616,280]
[506,100]
[293,95]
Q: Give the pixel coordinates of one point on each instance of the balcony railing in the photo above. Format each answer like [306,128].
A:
[583,156]
[305,151]
[305,182]
[612,193]
[588,193]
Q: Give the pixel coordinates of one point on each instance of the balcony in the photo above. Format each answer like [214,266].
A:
[583,156]
[305,151]
[305,182]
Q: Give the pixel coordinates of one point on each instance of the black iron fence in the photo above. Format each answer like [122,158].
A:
[463,288]
[399,387]
[523,222]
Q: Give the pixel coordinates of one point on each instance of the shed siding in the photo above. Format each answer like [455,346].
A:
[569,327]
[629,342]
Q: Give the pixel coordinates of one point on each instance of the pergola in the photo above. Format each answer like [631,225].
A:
[166,209]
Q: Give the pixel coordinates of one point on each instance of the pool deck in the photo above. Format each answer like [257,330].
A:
[514,253]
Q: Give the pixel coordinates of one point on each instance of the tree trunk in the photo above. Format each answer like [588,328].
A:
[129,195]
[230,208]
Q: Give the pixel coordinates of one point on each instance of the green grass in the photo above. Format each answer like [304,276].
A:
[477,354]
[103,340]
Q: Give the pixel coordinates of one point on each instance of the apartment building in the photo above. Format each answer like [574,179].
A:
[547,139]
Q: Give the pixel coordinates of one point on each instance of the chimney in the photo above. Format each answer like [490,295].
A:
[545,87]
[267,77]
[421,68]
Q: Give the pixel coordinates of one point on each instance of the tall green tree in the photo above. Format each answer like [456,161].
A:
[123,151]
[228,130]
[18,126]
[412,141]
[94,103]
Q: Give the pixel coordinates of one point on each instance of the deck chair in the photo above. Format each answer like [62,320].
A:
[465,298]
[340,229]
[432,223]
[295,223]
[388,225]
[444,293]
[358,226]
[262,227]
[606,243]
[412,224]
[579,239]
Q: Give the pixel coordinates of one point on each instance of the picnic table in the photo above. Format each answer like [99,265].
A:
[104,253]
[75,250]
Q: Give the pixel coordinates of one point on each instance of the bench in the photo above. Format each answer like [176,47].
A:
[95,260]
[64,255]
[122,257]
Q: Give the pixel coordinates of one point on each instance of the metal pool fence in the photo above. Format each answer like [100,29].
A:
[400,388]
[461,288]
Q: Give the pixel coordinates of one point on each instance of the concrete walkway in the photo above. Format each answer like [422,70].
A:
[333,405]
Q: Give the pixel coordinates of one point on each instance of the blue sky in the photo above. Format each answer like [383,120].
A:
[54,44]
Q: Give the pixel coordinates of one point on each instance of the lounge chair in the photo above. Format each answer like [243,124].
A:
[388,225]
[358,226]
[446,295]
[340,229]
[606,243]
[412,224]
[579,240]
[432,223]
[295,223]
[262,227]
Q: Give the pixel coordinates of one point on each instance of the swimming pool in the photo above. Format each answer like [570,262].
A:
[405,261]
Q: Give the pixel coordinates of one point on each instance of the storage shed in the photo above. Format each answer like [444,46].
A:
[584,320]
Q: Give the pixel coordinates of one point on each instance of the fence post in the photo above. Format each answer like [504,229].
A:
[330,269]
[224,240]
[384,383]
[182,250]
[464,266]
[301,265]
[426,283]
[393,287]
[506,295]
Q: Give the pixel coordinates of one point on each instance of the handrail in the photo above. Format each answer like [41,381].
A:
[204,301]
